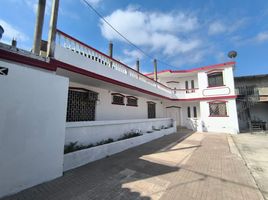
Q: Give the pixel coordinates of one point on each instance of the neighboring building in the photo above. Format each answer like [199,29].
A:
[252,102]
[82,95]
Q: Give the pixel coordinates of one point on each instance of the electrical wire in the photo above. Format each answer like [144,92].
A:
[125,38]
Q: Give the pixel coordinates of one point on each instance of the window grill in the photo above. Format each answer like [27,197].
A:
[81,105]
[118,99]
[217,109]
[132,101]
[189,112]
[215,79]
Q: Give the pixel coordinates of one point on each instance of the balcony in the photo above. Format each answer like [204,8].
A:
[73,52]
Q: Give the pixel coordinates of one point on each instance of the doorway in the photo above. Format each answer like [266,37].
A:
[174,112]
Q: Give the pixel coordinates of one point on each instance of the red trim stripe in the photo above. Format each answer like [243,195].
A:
[54,64]
[195,69]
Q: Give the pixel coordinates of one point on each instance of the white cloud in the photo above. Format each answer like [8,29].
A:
[261,37]
[133,54]
[153,30]
[219,27]
[216,28]
[12,32]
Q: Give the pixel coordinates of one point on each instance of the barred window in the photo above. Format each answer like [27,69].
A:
[118,99]
[132,101]
[151,110]
[81,105]
[217,109]
[215,79]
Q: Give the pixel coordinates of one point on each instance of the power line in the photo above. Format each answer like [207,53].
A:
[131,43]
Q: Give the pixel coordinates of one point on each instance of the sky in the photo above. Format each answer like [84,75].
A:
[180,34]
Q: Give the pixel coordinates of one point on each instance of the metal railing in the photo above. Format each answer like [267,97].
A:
[68,42]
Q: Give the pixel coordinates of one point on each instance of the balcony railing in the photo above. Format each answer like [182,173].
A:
[68,42]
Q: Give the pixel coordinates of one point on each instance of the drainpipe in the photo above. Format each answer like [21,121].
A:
[155,69]
[52,28]
[138,65]
[39,26]
[111,53]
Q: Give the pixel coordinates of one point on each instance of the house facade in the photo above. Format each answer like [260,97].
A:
[83,95]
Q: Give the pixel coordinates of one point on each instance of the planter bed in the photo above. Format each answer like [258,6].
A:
[82,157]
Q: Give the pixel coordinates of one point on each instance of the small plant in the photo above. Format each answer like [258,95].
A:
[131,134]
[70,147]
[163,127]
[110,140]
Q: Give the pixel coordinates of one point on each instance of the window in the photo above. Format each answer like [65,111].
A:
[132,101]
[217,109]
[81,105]
[195,112]
[151,109]
[118,99]
[215,79]
[192,86]
[186,87]
[189,112]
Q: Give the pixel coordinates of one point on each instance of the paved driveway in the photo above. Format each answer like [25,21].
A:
[199,167]
[254,149]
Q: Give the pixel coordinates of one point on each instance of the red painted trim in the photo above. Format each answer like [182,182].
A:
[218,86]
[195,69]
[7,55]
[54,64]
[103,54]
[218,116]
[214,71]
[117,94]
[132,97]
[218,101]
[172,82]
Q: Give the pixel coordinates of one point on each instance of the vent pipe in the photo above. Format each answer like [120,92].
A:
[155,69]
[39,26]
[138,65]
[52,28]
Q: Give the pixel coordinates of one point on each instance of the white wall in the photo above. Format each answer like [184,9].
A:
[219,124]
[181,80]
[105,110]
[95,131]
[32,127]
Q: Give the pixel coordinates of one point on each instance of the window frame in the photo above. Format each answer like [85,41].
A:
[118,95]
[153,114]
[219,114]
[212,75]
[132,98]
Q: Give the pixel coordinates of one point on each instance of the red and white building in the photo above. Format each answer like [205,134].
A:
[84,95]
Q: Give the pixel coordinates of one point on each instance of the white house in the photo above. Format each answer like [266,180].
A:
[84,95]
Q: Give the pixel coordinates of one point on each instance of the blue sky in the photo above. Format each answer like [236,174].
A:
[186,34]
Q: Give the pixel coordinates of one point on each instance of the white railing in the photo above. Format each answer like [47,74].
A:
[76,46]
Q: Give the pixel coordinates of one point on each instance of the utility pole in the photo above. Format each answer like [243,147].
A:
[39,26]
[52,28]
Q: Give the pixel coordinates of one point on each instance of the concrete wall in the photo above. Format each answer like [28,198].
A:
[32,127]
[227,124]
[105,110]
[95,131]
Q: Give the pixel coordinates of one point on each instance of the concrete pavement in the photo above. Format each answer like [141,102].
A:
[254,150]
[199,167]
